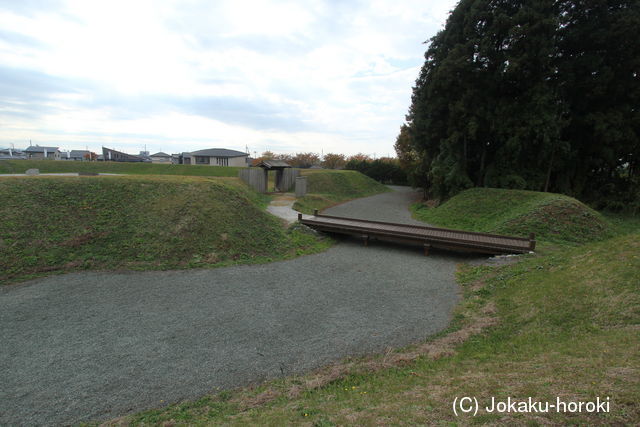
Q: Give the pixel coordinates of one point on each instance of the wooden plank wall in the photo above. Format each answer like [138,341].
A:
[289,178]
[256,178]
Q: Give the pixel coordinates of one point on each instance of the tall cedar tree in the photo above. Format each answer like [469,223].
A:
[533,94]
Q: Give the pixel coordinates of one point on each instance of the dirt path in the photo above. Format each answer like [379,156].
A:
[94,346]
[282,207]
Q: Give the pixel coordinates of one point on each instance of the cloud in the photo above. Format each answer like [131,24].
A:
[32,85]
[31,7]
[16,39]
[288,75]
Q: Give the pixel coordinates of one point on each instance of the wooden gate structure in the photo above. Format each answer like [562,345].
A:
[258,177]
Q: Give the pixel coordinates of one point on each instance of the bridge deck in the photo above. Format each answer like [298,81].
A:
[427,236]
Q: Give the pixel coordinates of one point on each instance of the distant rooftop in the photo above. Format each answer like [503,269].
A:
[39,149]
[218,152]
[269,164]
[78,153]
[160,154]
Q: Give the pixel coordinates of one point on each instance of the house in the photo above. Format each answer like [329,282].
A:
[35,152]
[77,155]
[215,157]
[11,154]
[109,155]
[161,157]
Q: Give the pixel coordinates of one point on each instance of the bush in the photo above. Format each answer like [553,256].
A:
[385,170]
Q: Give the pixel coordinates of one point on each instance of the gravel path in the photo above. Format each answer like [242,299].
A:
[391,207]
[94,346]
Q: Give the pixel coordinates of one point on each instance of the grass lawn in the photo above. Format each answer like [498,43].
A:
[329,187]
[561,324]
[60,224]
[60,166]
[554,218]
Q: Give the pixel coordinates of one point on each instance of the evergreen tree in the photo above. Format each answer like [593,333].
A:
[534,94]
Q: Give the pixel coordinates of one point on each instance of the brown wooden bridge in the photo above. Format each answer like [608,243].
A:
[428,237]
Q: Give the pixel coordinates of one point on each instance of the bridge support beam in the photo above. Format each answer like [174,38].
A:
[426,249]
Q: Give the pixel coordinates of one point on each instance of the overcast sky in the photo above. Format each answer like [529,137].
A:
[332,76]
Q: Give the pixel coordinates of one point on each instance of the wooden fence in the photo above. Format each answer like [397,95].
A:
[256,178]
[288,179]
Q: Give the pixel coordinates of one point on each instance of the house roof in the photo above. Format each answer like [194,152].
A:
[160,154]
[38,149]
[218,152]
[122,157]
[269,164]
[78,153]
[15,154]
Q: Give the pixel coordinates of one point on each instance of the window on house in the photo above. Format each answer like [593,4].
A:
[222,161]
[202,160]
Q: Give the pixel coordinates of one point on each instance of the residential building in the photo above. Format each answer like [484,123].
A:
[36,152]
[109,155]
[11,154]
[161,157]
[77,155]
[215,157]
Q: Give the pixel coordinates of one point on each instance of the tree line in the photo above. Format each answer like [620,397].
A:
[385,169]
[533,94]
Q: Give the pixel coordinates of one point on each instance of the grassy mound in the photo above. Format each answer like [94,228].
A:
[52,166]
[553,217]
[562,325]
[53,224]
[326,188]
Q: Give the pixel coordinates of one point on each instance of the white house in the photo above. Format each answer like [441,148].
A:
[78,155]
[215,157]
[36,152]
[161,157]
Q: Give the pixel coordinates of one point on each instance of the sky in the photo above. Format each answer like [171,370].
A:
[175,76]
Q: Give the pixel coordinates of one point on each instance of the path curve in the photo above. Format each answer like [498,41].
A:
[98,345]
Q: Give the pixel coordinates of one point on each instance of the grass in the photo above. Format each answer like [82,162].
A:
[565,325]
[60,224]
[553,217]
[52,166]
[562,324]
[329,187]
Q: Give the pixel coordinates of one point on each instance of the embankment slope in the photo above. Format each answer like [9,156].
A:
[58,224]
[553,217]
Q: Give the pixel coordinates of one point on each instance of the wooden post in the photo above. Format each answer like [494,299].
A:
[365,239]
[266,180]
[426,249]
[278,183]
[299,216]
[532,241]
[315,212]
[301,185]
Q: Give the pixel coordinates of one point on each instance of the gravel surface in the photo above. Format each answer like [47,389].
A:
[390,207]
[94,346]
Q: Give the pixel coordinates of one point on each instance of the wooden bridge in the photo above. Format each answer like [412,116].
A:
[428,237]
